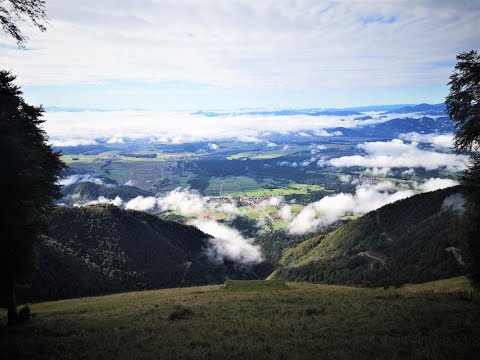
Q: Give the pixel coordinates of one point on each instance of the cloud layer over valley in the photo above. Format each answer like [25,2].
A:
[398,154]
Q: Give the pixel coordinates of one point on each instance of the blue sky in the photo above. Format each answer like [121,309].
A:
[177,55]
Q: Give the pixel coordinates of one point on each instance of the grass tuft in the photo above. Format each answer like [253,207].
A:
[180,312]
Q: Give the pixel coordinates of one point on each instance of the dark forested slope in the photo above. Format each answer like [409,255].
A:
[415,240]
[102,249]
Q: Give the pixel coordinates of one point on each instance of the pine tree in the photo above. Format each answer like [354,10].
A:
[463,107]
[29,169]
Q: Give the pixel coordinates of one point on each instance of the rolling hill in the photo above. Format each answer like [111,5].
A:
[414,240]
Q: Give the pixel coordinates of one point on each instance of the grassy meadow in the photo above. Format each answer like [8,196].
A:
[256,320]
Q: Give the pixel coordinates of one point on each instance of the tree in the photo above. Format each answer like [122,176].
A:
[463,107]
[29,172]
[18,10]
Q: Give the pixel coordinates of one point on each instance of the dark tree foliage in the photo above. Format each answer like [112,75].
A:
[16,10]
[463,101]
[29,171]
[463,107]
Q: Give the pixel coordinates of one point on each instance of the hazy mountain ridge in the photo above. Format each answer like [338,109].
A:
[437,109]
[414,240]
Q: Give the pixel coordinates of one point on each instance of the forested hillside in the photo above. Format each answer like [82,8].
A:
[415,240]
[102,249]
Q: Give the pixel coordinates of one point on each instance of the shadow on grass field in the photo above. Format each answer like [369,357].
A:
[300,321]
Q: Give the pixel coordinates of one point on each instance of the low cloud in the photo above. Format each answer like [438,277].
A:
[395,154]
[379,171]
[433,184]
[80,178]
[116,140]
[285,212]
[142,203]
[271,201]
[185,201]
[345,178]
[72,141]
[71,129]
[331,208]
[438,140]
[408,172]
[103,200]
[455,202]
[212,146]
[227,243]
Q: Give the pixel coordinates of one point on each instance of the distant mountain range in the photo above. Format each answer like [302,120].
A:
[435,109]
[393,128]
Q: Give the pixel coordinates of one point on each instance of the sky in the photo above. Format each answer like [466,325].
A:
[187,55]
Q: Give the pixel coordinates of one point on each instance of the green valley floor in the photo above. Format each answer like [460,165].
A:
[256,320]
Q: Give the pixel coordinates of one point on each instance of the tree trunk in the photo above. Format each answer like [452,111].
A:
[12,304]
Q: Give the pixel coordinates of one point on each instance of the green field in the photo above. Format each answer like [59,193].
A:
[81,158]
[287,190]
[256,156]
[231,185]
[306,321]
[246,186]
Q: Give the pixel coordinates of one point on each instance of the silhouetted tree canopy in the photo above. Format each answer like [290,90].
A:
[29,172]
[15,10]
[463,107]
[463,101]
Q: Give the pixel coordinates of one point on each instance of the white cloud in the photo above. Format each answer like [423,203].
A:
[345,178]
[185,201]
[408,172]
[455,202]
[142,203]
[304,134]
[379,171]
[90,127]
[285,212]
[228,243]
[396,153]
[331,208]
[80,178]
[212,146]
[248,45]
[103,200]
[115,140]
[189,201]
[438,140]
[271,201]
[73,141]
[433,184]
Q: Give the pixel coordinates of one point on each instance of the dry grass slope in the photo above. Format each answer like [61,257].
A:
[305,321]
